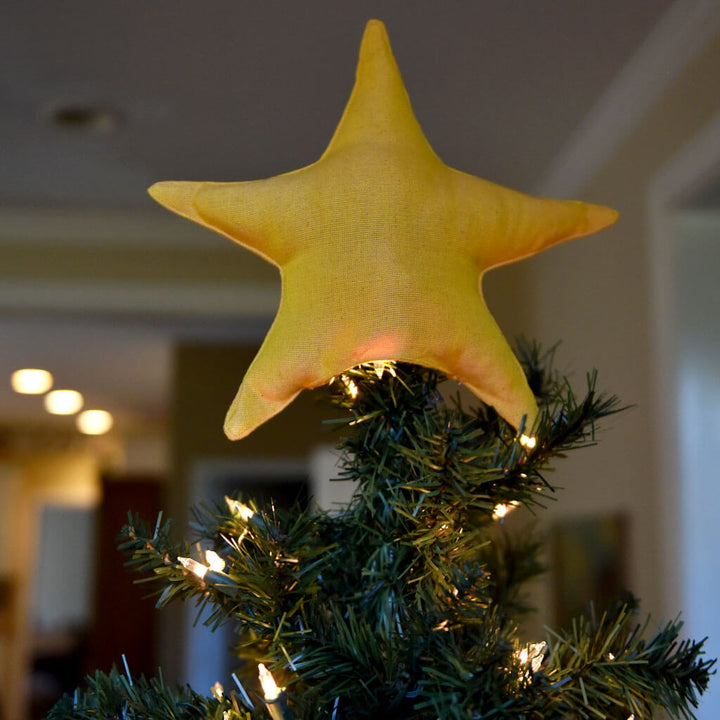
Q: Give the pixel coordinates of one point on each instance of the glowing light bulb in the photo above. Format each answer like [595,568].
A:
[214,561]
[528,441]
[502,509]
[240,509]
[269,686]
[31,381]
[193,566]
[383,366]
[94,422]
[534,654]
[352,388]
[63,402]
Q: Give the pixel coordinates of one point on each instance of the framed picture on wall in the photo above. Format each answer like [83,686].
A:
[589,565]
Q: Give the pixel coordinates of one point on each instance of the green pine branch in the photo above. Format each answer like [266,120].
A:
[608,669]
[115,696]
[405,605]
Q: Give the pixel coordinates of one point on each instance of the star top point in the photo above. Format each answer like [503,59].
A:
[381,248]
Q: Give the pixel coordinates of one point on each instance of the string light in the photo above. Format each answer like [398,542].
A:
[193,566]
[532,654]
[269,686]
[238,508]
[383,366]
[528,441]
[214,561]
[200,570]
[352,388]
[502,509]
[275,697]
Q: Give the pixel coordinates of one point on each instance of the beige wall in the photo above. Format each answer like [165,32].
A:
[593,294]
[205,380]
[596,295]
[27,483]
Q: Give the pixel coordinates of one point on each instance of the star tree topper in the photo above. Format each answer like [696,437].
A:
[381,249]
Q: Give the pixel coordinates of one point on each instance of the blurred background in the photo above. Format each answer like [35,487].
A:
[154,320]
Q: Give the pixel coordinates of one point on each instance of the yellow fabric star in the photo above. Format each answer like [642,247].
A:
[381,249]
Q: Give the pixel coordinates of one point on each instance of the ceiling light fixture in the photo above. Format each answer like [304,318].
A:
[94,422]
[83,117]
[31,381]
[63,402]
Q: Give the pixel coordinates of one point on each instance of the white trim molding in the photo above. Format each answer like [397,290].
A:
[244,300]
[147,228]
[696,164]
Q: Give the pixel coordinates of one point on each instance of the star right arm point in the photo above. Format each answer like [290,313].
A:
[503,225]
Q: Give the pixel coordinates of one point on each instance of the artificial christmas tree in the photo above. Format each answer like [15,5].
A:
[407,603]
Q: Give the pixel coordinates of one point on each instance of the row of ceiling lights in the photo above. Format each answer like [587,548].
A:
[33,381]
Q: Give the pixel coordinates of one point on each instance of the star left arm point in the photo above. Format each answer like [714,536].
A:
[293,357]
[252,406]
[269,384]
[252,214]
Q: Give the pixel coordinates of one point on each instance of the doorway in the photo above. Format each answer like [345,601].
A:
[685,250]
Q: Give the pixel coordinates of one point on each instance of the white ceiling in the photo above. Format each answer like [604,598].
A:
[96,282]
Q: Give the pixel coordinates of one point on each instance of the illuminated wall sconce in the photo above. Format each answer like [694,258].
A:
[31,381]
[63,402]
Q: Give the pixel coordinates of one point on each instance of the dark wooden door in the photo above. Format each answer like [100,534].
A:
[125,619]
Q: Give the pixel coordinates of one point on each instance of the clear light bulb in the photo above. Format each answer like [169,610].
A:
[352,388]
[534,654]
[240,509]
[502,509]
[193,566]
[214,561]
[269,686]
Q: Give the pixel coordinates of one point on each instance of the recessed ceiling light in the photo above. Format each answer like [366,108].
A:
[94,422]
[84,117]
[63,402]
[31,381]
